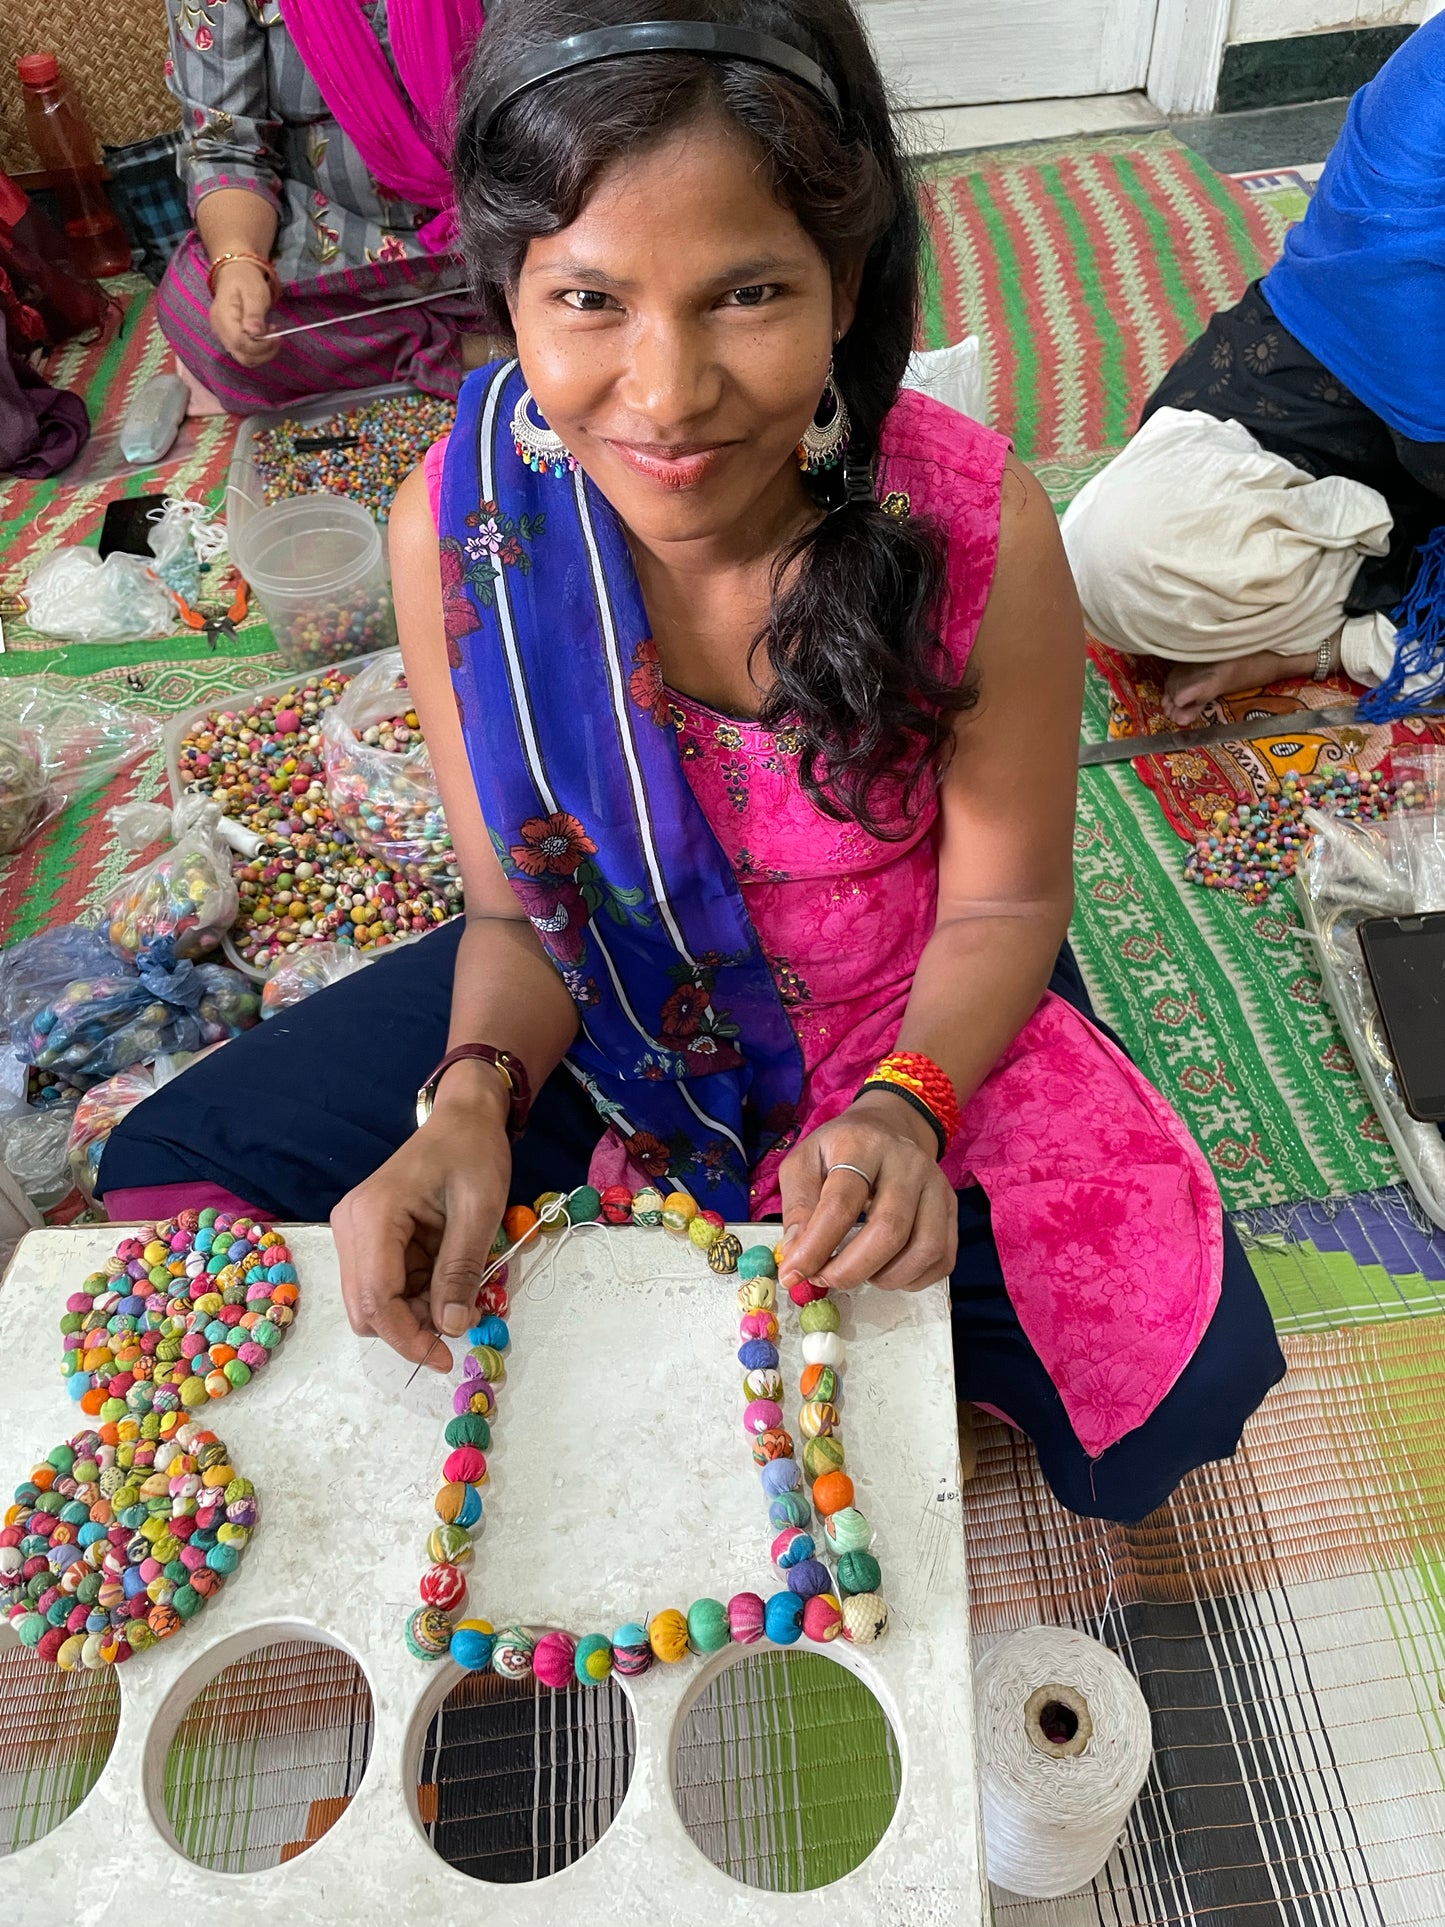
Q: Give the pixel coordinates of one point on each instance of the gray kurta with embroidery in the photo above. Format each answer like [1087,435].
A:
[254,118]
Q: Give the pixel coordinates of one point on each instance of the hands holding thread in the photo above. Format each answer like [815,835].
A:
[416,1236]
[910,1238]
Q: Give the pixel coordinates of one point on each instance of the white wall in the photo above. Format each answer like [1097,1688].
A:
[1279,19]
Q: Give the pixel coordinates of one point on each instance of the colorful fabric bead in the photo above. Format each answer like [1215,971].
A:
[702,1233]
[724,1252]
[809,1576]
[822,1618]
[428,1633]
[667,1635]
[746,1618]
[757,1262]
[781,1475]
[444,1586]
[512,1653]
[823,1455]
[865,1618]
[708,1630]
[762,1415]
[833,1492]
[824,1348]
[789,1509]
[631,1650]
[767,1382]
[816,1420]
[820,1382]
[791,1546]
[758,1294]
[678,1210]
[783,1618]
[647,1207]
[554,1660]
[593,1663]
[773,1444]
[820,1316]
[859,1572]
[848,1531]
[471,1645]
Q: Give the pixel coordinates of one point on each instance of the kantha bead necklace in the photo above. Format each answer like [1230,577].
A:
[813,1602]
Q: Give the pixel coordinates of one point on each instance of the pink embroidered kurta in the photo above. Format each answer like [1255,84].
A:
[1106,1215]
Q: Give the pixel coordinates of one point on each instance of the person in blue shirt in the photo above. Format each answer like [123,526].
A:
[1269,513]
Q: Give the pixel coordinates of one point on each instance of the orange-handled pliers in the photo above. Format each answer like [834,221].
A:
[217,626]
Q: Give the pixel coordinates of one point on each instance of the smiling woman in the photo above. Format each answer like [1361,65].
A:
[727,653]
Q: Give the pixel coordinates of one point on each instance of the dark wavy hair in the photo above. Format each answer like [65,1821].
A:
[851,635]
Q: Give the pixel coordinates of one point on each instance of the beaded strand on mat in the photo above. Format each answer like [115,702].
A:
[808,1605]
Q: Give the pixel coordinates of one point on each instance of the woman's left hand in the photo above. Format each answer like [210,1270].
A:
[910,1238]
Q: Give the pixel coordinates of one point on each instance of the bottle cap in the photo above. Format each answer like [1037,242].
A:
[37,70]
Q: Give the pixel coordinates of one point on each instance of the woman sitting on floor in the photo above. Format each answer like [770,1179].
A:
[753,689]
[1267,516]
[316,180]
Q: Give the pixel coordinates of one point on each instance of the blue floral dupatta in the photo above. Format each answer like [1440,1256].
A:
[684,1047]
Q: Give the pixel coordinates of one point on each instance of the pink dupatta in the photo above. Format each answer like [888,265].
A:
[402,132]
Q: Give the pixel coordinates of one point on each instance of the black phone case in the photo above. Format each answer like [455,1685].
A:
[1430,923]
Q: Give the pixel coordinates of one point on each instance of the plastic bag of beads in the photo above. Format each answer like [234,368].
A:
[34,972]
[75,595]
[96,1116]
[379,777]
[59,742]
[308,971]
[185,898]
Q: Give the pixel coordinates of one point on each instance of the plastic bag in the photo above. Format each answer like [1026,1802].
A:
[107,1016]
[59,742]
[96,1116]
[385,799]
[185,900]
[33,1150]
[1417,826]
[74,595]
[310,970]
[35,972]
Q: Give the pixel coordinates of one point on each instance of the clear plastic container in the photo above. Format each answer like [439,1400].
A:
[245,497]
[318,567]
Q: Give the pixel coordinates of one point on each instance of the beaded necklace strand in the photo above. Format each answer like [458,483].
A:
[815,1602]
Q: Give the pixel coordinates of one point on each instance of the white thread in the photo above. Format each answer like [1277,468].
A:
[1052,1809]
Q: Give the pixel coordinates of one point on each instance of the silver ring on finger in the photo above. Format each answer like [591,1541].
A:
[856,1169]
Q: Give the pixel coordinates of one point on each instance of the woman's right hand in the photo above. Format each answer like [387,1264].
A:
[416,1236]
[239,309]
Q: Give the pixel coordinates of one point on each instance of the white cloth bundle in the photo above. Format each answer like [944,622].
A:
[1064,1748]
[1198,545]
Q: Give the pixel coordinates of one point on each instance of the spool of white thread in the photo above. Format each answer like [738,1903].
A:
[1064,1748]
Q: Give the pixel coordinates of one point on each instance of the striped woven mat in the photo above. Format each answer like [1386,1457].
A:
[1285,1617]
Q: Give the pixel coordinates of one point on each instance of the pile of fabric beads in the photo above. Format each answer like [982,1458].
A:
[263,764]
[184,1312]
[119,1536]
[808,1605]
[1251,847]
[365,452]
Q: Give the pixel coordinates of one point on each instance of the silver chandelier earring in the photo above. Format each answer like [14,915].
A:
[540,447]
[826,436]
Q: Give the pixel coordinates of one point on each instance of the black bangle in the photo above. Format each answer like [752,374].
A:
[897,1090]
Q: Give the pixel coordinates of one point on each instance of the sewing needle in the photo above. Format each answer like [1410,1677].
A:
[363,314]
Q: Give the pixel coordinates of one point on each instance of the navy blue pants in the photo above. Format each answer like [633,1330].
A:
[294,1114]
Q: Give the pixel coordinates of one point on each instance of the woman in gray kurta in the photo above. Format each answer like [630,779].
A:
[291,227]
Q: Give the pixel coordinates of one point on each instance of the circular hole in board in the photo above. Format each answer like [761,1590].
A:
[515,1781]
[56,1732]
[267,1755]
[785,1770]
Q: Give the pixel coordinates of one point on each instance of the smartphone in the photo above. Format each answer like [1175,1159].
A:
[1405,957]
[127,526]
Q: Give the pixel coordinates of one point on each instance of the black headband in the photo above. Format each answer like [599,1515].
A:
[652,37]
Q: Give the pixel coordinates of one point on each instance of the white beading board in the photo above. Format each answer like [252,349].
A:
[620,1483]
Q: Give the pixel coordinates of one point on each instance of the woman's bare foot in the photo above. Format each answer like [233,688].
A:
[202,401]
[1190,685]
